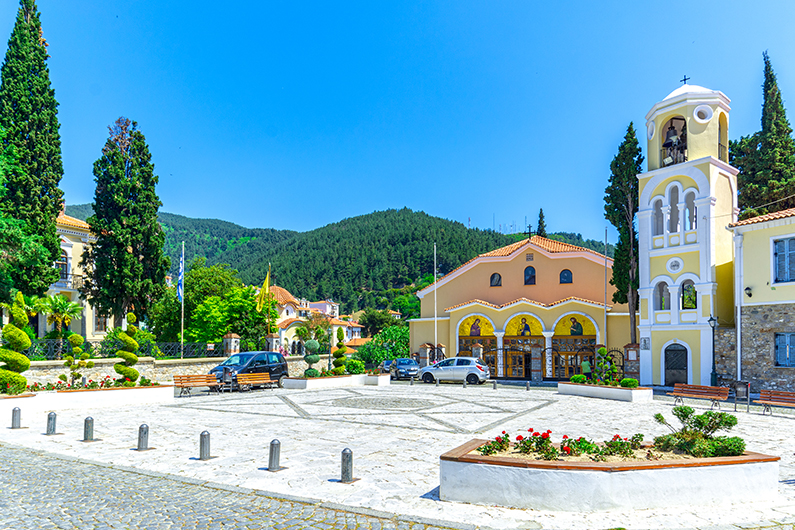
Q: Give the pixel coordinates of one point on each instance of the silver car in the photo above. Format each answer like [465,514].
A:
[469,369]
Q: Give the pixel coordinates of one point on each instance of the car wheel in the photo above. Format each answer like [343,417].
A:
[472,379]
[281,381]
[427,378]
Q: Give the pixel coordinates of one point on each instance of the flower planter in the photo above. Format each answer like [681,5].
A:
[590,486]
[639,394]
[95,398]
[377,380]
[311,383]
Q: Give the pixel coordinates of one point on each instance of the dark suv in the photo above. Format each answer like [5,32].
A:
[255,362]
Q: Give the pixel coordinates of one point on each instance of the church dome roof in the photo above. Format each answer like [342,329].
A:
[688,89]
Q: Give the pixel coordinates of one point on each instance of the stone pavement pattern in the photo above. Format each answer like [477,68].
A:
[397,434]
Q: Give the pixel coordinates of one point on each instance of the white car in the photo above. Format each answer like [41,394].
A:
[469,369]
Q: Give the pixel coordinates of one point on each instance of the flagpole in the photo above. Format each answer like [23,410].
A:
[182,317]
[435,338]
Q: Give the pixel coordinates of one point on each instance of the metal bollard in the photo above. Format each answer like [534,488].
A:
[494,385]
[204,446]
[465,383]
[51,423]
[16,418]
[411,381]
[527,386]
[143,437]
[84,381]
[347,466]
[437,382]
[88,429]
[273,456]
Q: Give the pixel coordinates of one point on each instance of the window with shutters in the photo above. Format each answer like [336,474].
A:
[785,260]
[785,349]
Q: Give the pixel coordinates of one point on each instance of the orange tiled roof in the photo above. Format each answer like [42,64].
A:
[284,324]
[282,295]
[550,245]
[347,323]
[534,302]
[73,222]
[783,214]
[354,343]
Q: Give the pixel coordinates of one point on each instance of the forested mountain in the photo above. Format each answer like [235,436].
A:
[366,261]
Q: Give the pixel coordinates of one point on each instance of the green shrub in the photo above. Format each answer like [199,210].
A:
[311,372]
[355,367]
[127,353]
[579,378]
[629,382]
[78,360]
[12,362]
[696,435]
[338,370]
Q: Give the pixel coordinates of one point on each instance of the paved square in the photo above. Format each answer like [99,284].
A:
[397,434]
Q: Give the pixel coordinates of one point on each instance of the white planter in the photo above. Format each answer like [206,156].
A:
[109,397]
[592,486]
[325,382]
[617,393]
[377,380]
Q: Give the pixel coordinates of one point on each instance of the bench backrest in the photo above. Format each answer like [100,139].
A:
[777,395]
[717,391]
[197,378]
[253,377]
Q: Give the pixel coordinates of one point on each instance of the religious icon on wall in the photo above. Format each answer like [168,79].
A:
[525,331]
[576,327]
[474,331]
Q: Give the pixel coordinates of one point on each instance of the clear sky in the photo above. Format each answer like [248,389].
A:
[296,114]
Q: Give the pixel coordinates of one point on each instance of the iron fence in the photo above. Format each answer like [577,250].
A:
[53,349]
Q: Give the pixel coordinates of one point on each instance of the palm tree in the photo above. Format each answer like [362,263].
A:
[60,312]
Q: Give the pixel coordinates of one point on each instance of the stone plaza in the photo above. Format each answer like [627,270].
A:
[396,433]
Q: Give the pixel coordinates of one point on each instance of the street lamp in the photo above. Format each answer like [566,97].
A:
[713,323]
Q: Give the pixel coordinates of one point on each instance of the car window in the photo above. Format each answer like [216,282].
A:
[260,360]
[273,358]
[405,361]
[481,363]
[462,362]
[236,359]
[446,362]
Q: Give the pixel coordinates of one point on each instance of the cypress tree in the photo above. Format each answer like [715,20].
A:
[126,268]
[766,159]
[542,225]
[28,112]
[621,205]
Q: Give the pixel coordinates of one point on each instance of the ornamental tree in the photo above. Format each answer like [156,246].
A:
[29,115]
[339,354]
[541,230]
[14,341]
[125,267]
[621,205]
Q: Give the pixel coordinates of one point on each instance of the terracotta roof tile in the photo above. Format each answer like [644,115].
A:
[68,220]
[282,295]
[355,343]
[284,324]
[783,214]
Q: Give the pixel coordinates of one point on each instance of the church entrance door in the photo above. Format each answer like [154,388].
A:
[675,364]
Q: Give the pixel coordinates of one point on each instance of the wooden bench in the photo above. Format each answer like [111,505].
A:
[186,382]
[251,380]
[716,394]
[768,398]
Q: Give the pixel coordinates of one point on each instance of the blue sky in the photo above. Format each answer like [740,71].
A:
[295,114]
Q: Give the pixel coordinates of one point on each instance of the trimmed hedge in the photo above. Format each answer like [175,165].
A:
[129,358]
[15,340]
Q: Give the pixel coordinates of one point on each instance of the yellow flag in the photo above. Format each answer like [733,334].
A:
[263,292]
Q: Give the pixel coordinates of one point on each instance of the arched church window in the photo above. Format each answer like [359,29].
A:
[723,151]
[496,280]
[658,220]
[63,265]
[530,276]
[565,276]
[689,296]
[691,215]
[673,217]
[674,142]
[662,298]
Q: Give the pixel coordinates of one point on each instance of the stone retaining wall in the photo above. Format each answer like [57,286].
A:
[726,354]
[157,370]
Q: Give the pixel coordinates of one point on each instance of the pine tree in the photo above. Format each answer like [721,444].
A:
[542,225]
[766,159]
[28,112]
[621,204]
[125,268]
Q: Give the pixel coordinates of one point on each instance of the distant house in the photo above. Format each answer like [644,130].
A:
[327,307]
[395,314]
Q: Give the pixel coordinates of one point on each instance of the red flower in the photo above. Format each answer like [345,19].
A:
[567,450]
[530,429]
[565,437]
[536,434]
[519,438]
[503,432]
[545,435]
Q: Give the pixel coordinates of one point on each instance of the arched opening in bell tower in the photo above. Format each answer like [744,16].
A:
[723,138]
[674,142]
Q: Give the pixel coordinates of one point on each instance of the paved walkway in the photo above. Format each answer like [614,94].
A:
[396,433]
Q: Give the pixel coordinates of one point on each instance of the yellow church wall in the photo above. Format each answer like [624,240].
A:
[758,270]
[618,330]
[690,338]
[690,261]
[702,138]
[723,244]
[474,284]
[421,332]
[685,182]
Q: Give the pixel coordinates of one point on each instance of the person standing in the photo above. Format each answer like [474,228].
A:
[586,369]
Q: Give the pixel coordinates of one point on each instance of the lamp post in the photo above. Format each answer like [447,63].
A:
[713,378]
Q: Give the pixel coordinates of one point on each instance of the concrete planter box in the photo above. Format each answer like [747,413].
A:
[324,382]
[377,380]
[592,486]
[640,394]
[98,398]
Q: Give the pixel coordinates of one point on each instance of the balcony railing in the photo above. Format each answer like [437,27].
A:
[68,281]
[723,153]
[672,155]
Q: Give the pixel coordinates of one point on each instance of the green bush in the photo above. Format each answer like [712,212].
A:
[78,360]
[355,367]
[311,372]
[696,435]
[579,378]
[338,370]
[629,382]
[127,353]
[12,362]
